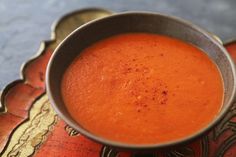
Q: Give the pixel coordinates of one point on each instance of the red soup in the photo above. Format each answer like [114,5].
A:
[142,88]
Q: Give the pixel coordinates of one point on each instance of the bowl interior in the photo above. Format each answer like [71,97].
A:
[135,22]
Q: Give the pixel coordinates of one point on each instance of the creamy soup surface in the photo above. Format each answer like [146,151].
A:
[141,88]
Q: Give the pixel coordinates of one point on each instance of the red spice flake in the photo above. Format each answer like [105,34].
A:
[161,54]
[164,92]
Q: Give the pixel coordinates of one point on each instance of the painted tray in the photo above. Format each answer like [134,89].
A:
[30,127]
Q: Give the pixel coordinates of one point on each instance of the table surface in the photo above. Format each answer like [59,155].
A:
[25,23]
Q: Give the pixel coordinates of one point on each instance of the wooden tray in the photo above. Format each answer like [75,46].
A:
[30,127]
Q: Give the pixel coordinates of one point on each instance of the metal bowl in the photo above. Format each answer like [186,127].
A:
[147,22]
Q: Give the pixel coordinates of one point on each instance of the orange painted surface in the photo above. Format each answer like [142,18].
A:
[60,144]
[232,50]
[142,89]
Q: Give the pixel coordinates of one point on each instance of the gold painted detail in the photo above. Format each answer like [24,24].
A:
[30,135]
[71,131]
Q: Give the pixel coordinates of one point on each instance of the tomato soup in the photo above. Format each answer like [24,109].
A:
[142,88]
